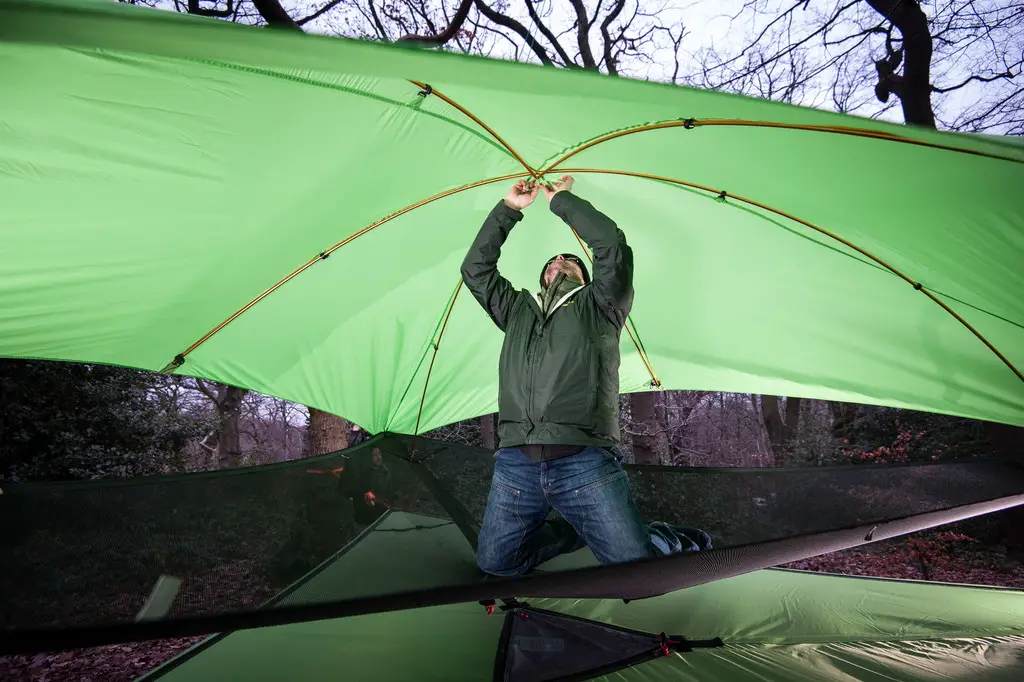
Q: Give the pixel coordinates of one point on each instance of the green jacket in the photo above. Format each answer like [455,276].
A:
[558,376]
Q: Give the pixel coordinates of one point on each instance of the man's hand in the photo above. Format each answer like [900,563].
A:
[563,185]
[521,195]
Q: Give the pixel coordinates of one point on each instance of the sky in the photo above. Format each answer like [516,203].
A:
[708,24]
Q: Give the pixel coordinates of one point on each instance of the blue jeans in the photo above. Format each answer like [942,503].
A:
[591,492]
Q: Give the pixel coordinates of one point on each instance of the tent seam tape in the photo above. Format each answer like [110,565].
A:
[690,123]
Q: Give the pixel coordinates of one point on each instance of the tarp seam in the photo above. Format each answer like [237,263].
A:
[690,123]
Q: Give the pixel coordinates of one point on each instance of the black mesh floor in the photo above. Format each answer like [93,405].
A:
[742,506]
[88,554]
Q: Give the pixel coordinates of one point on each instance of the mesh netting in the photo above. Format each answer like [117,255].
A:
[84,554]
[740,506]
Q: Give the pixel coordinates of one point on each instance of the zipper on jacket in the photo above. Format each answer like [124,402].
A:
[531,369]
[536,334]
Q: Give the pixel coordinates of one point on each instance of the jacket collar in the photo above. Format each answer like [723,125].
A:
[557,294]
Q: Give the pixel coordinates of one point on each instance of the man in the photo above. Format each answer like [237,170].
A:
[558,404]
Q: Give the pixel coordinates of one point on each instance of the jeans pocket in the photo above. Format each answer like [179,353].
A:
[597,486]
[615,452]
[506,489]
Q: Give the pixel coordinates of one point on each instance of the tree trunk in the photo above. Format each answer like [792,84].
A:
[773,424]
[326,433]
[625,423]
[781,430]
[650,442]
[914,85]
[228,401]
[843,417]
[488,431]
[274,14]
[1008,441]
[792,419]
[229,441]
[764,445]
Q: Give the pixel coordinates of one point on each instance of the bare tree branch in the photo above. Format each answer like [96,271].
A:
[443,37]
[583,34]
[201,385]
[274,14]
[490,29]
[510,23]
[195,8]
[546,32]
[981,79]
[609,58]
[376,20]
[319,13]
[976,121]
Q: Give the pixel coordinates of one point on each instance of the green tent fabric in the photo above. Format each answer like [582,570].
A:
[775,624]
[160,172]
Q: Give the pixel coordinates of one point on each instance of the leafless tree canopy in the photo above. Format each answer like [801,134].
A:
[954,64]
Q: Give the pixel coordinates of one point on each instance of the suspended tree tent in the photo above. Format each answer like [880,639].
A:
[288,213]
[269,557]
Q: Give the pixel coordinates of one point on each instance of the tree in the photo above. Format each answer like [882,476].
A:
[615,37]
[844,415]
[781,426]
[956,68]
[272,429]
[649,432]
[227,452]
[73,421]
[489,431]
[658,426]
[325,433]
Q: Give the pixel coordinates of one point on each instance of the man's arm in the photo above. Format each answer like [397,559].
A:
[613,258]
[480,266]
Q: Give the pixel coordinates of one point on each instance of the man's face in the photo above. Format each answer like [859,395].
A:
[561,265]
[376,457]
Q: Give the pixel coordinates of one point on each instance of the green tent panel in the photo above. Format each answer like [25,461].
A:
[160,172]
[775,624]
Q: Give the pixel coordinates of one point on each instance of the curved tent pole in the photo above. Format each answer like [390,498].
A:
[688,124]
[440,320]
[428,90]
[722,194]
[691,123]
[437,345]
[179,359]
